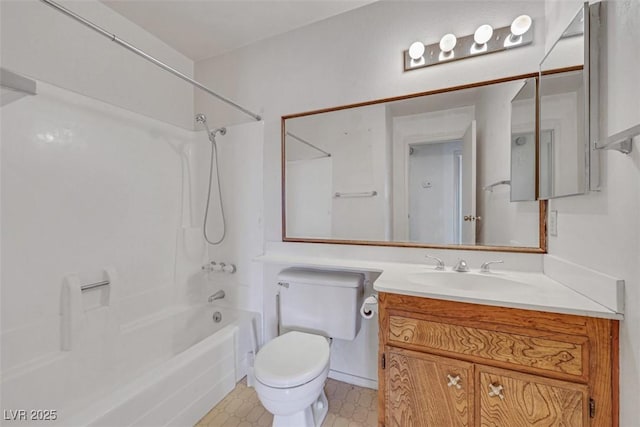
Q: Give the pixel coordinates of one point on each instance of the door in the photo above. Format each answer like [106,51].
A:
[426,390]
[468,225]
[510,398]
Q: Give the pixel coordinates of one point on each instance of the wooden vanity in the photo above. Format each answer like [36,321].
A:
[445,363]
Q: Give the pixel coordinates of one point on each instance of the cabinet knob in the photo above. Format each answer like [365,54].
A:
[454,381]
[496,390]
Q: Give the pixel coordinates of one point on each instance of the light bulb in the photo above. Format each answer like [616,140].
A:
[520,25]
[483,34]
[416,50]
[448,42]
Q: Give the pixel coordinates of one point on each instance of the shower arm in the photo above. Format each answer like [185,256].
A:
[148,57]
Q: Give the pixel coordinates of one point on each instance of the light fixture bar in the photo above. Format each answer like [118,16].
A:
[465,47]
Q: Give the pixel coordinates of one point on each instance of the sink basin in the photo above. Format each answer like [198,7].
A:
[474,282]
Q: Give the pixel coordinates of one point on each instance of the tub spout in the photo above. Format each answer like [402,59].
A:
[217,295]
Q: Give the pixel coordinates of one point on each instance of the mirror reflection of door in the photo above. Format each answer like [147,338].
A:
[469,185]
[441,190]
[435,189]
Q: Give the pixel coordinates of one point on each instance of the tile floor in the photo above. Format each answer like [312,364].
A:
[349,406]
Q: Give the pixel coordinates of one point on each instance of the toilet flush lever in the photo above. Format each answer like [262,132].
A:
[283,284]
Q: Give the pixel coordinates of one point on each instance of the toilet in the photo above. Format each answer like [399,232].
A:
[290,371]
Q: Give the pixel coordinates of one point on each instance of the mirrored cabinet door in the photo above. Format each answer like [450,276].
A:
[568,120]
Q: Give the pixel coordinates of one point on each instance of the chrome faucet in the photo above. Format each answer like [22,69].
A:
[217,295]
[484,268]
[461,266]
[439,263]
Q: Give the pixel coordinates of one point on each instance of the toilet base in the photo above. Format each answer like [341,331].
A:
[312,416]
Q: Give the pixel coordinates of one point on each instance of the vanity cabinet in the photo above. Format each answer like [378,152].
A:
[445,363]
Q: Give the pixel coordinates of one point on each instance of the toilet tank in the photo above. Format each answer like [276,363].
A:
[321,302]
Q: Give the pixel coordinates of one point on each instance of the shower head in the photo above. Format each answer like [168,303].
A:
[202,119]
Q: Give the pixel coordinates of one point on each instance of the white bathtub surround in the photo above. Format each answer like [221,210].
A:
[180,391]
[91,192]
[85,186]
[158,372]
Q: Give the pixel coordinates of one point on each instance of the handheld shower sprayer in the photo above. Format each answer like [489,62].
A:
[202,119]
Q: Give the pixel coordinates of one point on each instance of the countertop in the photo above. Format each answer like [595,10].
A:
[541,294]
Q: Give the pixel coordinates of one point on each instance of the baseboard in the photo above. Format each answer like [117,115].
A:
[353,379]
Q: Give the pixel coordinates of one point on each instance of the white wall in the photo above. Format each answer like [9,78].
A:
[602,230]
[350,58]
[356,139]
[309,197]
[333,62]
[39,42]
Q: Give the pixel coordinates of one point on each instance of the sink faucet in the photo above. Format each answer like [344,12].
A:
[484,268]
[217,295]
[439,263]
[461,266]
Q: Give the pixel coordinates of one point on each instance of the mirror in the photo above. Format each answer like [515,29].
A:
[523,143]
[428,170]
[564,125]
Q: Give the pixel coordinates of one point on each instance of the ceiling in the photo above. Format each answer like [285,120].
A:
[201,29]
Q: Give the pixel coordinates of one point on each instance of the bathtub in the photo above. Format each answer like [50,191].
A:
[164,370]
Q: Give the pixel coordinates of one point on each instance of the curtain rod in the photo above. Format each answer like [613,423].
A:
[297,138]
[146,56]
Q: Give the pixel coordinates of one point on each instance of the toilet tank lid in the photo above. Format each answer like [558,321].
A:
[308,276]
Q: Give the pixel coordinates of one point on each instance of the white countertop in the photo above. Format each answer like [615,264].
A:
[541,293]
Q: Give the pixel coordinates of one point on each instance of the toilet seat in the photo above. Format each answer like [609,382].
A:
[292,359]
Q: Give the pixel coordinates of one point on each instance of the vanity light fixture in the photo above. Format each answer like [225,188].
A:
[521,25]
[486,39]
[416,50]
[448,43]
[483,34]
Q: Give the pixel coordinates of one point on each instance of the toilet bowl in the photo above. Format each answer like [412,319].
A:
[290,372]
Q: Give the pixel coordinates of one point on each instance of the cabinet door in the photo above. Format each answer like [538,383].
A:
[510,398]
[427,390]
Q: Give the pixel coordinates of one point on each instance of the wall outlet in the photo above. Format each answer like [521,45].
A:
[553,223]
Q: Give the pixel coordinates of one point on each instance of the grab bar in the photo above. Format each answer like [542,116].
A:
[94,285]
[490,187]
[362,194]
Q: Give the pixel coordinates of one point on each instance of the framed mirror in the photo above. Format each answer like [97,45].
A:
[425,170]
[568,111]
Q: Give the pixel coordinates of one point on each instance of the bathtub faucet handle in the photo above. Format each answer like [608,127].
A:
[229,268]
[209,267]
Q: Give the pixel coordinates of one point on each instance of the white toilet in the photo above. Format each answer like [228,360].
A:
[290,370]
